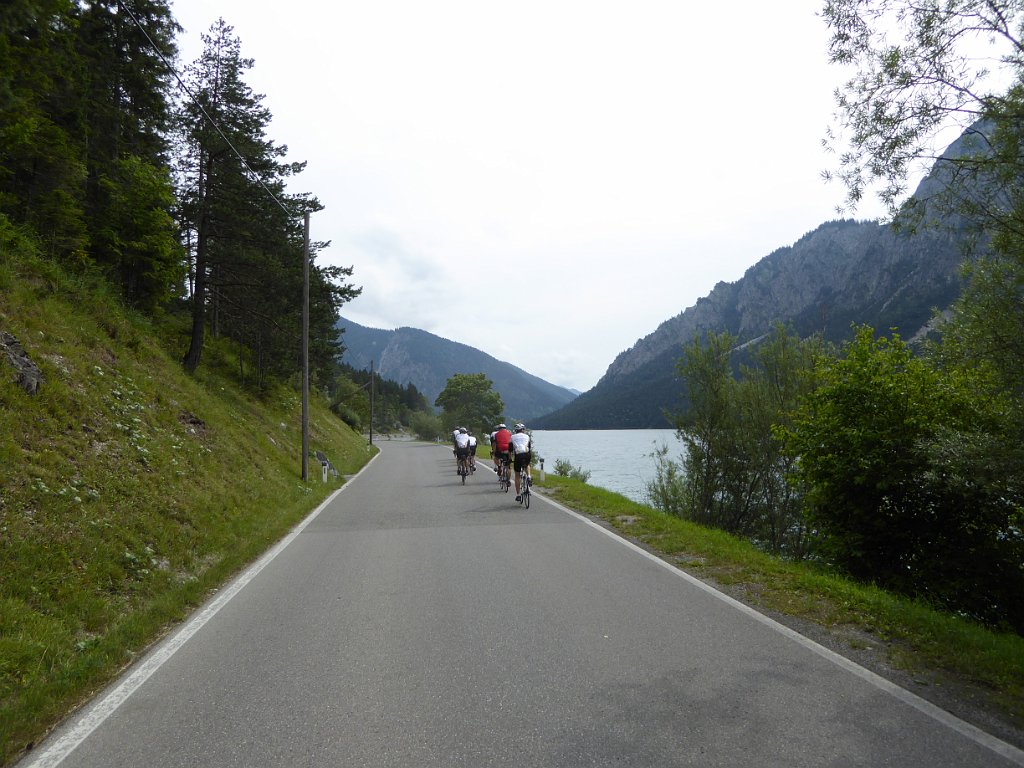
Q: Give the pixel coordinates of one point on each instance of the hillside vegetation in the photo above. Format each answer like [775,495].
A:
[415,357]
[128,489]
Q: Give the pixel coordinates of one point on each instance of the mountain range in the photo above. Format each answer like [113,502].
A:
[412,356]
[843,273]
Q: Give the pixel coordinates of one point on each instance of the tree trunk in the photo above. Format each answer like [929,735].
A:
[215,303]
[195,347]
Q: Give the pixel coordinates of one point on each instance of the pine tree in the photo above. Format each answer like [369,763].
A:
[212,181]
[242,230]
[42,173]
[125,50]
[83,116]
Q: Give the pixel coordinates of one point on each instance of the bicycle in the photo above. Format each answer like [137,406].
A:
[463,469]
[524,488]
[504,476]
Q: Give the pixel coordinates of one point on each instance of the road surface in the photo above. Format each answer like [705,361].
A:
[414,621]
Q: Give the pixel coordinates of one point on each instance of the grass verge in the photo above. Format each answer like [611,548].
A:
[128,489]
[933,647]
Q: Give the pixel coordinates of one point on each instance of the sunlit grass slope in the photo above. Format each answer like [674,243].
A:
[128,489]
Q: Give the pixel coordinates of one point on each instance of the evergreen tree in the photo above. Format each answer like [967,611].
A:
[210,178]
[83,108]
[243,232]
[42,170]
[125,51]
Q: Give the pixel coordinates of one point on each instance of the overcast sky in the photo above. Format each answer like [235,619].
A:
[550,180]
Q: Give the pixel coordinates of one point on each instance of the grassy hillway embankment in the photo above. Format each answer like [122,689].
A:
[128,489]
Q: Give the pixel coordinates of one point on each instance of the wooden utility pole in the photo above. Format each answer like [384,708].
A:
[371,402]
[305,346]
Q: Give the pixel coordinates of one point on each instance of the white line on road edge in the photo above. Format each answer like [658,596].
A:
[972,732]
[53,754]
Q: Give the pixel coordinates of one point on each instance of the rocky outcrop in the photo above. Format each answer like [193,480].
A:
[842,273]
[30,378]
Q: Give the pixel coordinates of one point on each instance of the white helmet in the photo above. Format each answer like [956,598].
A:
[520,427]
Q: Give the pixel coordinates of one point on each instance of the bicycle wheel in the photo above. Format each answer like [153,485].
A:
[526,497]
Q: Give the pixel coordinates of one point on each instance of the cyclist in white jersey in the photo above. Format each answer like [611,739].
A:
[472,451]
[521,447]
[462,447]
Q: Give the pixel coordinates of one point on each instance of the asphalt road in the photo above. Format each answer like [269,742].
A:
[417,622]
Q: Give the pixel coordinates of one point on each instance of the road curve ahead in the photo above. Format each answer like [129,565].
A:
[417,622]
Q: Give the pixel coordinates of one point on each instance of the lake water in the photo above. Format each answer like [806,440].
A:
[617,459]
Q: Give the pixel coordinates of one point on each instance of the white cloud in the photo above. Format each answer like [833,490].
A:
[605,163]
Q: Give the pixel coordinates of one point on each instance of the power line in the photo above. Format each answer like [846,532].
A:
[195,100]
[305,238]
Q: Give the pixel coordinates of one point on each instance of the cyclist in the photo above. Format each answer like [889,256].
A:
[462,449]
[521,445]
[472,451]
[499,447]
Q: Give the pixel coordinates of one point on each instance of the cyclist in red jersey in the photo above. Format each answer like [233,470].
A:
[499,445]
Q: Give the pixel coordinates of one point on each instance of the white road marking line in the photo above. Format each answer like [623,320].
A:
[53,754]
[972,732]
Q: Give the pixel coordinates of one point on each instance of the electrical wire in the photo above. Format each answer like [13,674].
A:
[202,109]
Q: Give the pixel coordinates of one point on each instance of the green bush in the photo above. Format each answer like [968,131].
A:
[348,415]
[566,469]
[899,463]
[427,426]
[667,491]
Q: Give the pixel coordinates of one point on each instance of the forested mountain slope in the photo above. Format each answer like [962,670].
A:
[411,356]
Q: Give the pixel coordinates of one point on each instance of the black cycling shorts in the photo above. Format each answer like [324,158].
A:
[523,460]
